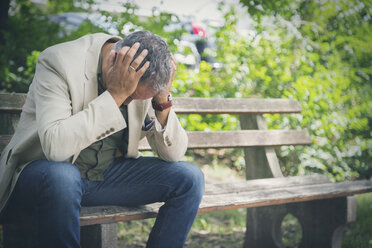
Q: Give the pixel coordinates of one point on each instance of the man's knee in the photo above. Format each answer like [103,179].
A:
[63,173]
[194,178]
[63,179]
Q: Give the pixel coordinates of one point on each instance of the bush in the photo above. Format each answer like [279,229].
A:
[315,52]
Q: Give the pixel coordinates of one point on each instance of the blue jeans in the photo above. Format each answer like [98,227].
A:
[54,193]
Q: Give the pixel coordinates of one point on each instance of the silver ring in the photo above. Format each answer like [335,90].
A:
[131,67]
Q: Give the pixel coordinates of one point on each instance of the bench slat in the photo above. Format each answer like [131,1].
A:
[228,139]
[100,213]
[4,140]
[193,105]
[12,102]
[185,105]
[283,195]
[253,185]
[224,200]
[242,138]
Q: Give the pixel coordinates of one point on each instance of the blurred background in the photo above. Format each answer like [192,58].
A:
[315,51]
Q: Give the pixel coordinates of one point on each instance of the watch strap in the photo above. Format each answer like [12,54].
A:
[162,106]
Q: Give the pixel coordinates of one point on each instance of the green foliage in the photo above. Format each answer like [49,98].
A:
[27,32]
[128,21]
[291,231]
[317,52]
[60,6]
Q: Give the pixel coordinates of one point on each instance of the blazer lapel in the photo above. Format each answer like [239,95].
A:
[91,65]
[133,119]
[137,110]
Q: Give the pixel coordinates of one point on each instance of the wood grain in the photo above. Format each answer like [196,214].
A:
[193,105]
[229,139]
[12,102]
[242,138]
[260,192]
[188,105]
[260,162]
[4,140]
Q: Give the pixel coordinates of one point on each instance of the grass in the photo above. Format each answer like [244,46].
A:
[218,229]
[359,233]
[210,230]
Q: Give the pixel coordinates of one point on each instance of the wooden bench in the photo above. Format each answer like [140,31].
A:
[321,206]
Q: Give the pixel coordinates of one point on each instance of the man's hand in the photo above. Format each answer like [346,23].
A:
[162,97]
[118,73]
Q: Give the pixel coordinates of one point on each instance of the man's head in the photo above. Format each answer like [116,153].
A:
[159,55]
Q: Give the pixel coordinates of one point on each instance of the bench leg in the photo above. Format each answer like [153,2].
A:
[322,222]
[24,236]
[99,236]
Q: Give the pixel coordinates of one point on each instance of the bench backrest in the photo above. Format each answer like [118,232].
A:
[257,141]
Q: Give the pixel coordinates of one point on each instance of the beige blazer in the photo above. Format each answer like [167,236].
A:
[63,114]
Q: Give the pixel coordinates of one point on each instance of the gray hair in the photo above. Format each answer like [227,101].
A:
[159,55]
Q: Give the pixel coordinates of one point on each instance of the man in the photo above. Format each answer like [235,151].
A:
[89,99]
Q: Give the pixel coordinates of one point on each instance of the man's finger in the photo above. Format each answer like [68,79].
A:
[142,71]
[120,56]
[137,62]
[130,55]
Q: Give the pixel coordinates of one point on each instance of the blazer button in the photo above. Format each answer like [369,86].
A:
[112,129]
[98,137]
[108,131]
[103,135]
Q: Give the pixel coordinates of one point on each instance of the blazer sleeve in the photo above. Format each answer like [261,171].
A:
[61,133]
[170,142]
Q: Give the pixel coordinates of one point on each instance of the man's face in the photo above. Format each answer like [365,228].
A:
[143,91]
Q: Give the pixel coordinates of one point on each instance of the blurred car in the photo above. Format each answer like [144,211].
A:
[71,21]
[197,37]
[187,54]
[193,47]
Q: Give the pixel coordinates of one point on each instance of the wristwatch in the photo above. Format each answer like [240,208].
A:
[161,107]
